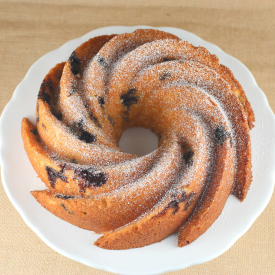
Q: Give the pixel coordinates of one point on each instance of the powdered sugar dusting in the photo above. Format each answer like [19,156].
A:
[154,80]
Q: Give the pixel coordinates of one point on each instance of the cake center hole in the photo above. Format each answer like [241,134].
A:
[139,141]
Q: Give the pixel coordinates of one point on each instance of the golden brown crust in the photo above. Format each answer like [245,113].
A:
[152,79]
[96,212]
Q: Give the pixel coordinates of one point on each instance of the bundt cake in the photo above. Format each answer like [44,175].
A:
[151,79]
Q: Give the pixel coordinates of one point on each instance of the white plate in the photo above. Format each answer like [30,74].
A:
[19,178]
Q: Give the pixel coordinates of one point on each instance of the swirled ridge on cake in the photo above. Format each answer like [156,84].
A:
[151,79]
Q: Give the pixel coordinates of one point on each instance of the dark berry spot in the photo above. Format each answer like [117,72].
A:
[49,85]
[75,63]
[174,204]
[174,194]
[64,197]
[66,209]
[53,175]
[95,120]
[111,120]
[78,129]
[164,75]
[43,93]
[101,60]
[220,134]
[58,115]
[86,105]
[177,199]
[72,91]
[34,131]
[165,59]
[128,98]
[43,125]
[188,157]
[45,97]
[97,179]
[73,160]
[182,197]
[81,124]
[90,177]
[101,101]
[87,137]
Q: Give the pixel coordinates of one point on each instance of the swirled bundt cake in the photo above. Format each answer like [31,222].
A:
[151,79]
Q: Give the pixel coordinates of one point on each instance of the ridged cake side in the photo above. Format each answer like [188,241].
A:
[151,79]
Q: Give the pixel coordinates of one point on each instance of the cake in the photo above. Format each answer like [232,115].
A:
[151,79]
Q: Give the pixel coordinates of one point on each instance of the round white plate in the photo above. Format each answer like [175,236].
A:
[19,178]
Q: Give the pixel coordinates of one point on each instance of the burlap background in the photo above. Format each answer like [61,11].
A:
[29,29]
